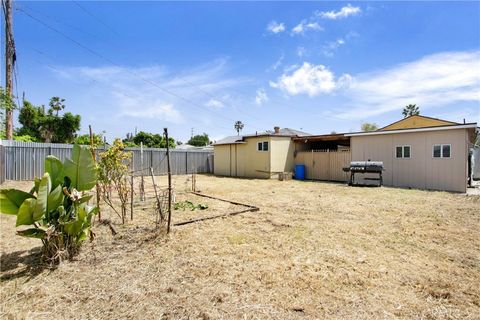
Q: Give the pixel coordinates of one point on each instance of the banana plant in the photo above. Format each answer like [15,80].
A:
[56,208]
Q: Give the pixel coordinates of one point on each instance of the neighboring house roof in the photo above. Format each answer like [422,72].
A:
[230,140]
[421,129]
[285,132]
[190,147]
[417,121]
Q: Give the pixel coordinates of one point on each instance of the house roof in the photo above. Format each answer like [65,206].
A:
[472,125]
[284,132]
[230,140]
[417,121]
[322,137]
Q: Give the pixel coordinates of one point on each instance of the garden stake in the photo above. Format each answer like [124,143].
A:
[169,181]
[131,196]
[159,207]
[97,187]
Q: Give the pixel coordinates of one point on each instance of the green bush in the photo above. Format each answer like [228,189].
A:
[56,208]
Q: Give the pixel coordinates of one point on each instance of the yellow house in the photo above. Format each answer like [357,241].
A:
[262,155]
[417,152]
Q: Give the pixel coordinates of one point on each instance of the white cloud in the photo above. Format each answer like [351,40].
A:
[277,63]
[301,51]
[329,49]
[432,81]
[153,91]
[304,26]
[261,97]
[308,79]
[159,111]
[275,27]
[215,104]
[346,11]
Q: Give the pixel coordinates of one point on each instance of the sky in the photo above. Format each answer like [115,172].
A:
[198,67]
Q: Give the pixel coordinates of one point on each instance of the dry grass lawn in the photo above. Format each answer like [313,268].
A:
[314,250]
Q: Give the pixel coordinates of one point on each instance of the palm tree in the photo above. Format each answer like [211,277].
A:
[238,126]
[56,104]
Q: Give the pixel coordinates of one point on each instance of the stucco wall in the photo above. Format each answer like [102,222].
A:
[221,155]
[282,154]
[421,170]
[244,160]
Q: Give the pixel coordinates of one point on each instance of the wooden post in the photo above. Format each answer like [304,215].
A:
[159,207]
[169,181]
[142,184]
[131,196]
[97,187]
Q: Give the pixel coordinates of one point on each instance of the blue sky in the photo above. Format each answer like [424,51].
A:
[315,66]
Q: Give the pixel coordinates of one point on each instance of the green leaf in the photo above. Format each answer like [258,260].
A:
[37,184]
[25,212]
[42,197]
[81,169]
[54,167]
[84,199]
[12,199]
[55,198]
[32,233]
[74,227]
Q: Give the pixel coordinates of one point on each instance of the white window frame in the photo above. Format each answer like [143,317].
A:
[262,143]
[441,145]
[403,151]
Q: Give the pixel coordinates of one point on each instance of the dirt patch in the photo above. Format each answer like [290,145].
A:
[314,250]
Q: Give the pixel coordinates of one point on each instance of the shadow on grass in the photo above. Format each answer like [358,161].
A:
[22,263]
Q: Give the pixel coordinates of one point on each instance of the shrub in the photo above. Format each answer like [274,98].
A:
[113,172]
[56,207]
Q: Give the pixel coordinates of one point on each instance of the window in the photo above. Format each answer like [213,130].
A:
[402,152]
[262,146]
[441,150]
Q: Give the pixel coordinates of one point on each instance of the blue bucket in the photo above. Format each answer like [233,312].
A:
[299,172]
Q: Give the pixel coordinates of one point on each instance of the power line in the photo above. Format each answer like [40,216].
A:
[95,17]
[23,5]
[89,77]
[93,52]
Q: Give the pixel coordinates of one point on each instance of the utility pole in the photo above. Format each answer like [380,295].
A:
[10,58]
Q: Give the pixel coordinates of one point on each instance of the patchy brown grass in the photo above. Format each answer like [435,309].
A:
[314,250]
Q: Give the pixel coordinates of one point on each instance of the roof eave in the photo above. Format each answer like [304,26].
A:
[425,129]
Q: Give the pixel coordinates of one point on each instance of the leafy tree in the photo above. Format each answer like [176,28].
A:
[24,138]
[47,126]
[411,110]
[30,118]
[238,126]
[200,140]
[151,140]
[369,127]
[84,139]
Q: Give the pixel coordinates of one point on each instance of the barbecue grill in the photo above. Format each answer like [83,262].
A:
[365,167]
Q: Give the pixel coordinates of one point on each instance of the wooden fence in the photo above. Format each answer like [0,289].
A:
[325,164]
[25,160]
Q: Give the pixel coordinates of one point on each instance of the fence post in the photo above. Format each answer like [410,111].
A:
[169,182]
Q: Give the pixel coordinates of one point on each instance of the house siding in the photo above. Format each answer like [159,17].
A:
[421,170]
[244,160]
